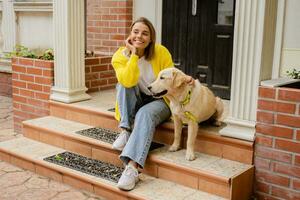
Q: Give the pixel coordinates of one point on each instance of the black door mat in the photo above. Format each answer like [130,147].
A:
[109,136]
[98,133]
[87,165]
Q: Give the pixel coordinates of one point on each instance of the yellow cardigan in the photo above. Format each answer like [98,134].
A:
[127,70]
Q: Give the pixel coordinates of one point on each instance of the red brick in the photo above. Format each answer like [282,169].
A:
[112,81]
[297,160]
[34,87]
[289,94]
[272,178]
[42,96]
[46,89]
[107,87]
[26,93]
[274,130]
[276,106]
[20,99]
[128,16]
[262,196]
[42,80]
[107,74]
[109,3]
[48,73]
[26,61]
[264,141]
[273,154]
[26,108]
[287,169]
[266,92]
[25,77]
[16,90]
[20,84]
[18,68]
[34,71]
[92,61]
[288,120]
[44,64]
[298,135]
[98,83]
[285,193]
[105,60]
[99,68]
[265,117]
[261,163]
[15,76]
[262,187]
[287,145]
[21,114]
[36,102]
[296,184]
[15,60]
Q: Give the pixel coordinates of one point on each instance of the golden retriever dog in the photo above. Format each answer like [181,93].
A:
[190,103]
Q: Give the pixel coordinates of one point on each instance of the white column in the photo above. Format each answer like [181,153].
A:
[69,73]
[246,67]
[8,26]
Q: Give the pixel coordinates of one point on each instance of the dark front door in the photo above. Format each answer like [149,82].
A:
[199,35]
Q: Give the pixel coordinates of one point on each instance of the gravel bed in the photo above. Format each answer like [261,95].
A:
[87,165]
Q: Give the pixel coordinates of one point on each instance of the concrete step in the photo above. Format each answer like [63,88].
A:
[95,112]
[207,173]
[29,154]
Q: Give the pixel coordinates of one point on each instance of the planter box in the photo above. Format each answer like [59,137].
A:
[277,145]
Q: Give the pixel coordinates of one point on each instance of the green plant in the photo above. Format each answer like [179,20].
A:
[21,51]
[47,55]
[295,74]
[58,157]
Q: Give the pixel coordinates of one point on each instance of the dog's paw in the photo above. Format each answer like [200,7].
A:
[190,156]
[174,148]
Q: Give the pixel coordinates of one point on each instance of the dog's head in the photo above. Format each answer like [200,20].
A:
[168,80]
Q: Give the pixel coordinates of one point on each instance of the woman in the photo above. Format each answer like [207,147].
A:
[136,66]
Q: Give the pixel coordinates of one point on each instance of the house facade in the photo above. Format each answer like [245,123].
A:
[230,45]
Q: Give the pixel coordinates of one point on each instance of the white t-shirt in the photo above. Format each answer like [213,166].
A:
[146,75]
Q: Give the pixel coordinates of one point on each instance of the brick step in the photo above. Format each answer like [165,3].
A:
[208,141]
[207,173]
[29,154]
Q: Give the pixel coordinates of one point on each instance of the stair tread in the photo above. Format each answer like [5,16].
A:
[149,187]
[206,163]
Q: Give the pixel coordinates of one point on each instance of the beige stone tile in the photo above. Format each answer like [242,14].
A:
[78,147]
[11,193]
[37,182]
[70,195]
[58,186]
[14,178]
[22,163]
[6,167]
[37,194]
[108,194]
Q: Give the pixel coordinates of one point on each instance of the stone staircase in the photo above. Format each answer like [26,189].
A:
[223,168]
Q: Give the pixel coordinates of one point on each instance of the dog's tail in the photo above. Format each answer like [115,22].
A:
[219,111]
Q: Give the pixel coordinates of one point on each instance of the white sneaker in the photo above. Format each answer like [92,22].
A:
[129,178]
[121,141]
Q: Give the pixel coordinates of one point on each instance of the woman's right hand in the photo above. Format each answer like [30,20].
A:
[129,46]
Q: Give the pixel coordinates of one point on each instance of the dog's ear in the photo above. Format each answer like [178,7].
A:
[178,79]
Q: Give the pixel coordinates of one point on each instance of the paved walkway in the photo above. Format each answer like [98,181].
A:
[19,184]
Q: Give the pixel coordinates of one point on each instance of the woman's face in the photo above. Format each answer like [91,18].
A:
[140,35]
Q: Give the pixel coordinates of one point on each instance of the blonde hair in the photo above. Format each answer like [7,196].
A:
[149,50]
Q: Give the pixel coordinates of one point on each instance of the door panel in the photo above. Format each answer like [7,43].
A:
[200,40]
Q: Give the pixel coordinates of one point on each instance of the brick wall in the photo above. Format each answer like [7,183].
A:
[108,24]
[99,74]
[32,80]
[277,147]
[5,84]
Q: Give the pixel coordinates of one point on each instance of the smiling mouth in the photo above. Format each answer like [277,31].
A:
[157,95]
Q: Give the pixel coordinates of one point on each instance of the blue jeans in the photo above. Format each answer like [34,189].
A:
[141,114]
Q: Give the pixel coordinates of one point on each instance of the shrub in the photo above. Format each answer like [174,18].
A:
[295,74]
[21,51]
